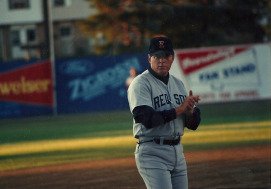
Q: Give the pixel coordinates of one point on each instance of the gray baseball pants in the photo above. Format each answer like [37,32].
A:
[161,166]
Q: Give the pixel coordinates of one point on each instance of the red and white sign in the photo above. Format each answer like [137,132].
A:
[226,73]
[191,61]
[30,84]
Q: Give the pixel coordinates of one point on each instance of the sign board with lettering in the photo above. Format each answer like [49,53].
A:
[226,73]
[95,83]
[26,89]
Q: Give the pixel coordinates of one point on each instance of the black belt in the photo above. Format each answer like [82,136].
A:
[163,141]
[167,142]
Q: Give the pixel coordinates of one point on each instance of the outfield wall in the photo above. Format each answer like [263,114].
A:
[82,85]
[90,84]
[95,84]
[26,89]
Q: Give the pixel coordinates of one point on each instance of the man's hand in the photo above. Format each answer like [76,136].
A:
[195,99]
[188,105]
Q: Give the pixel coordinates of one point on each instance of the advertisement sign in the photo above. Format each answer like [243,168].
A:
[95,83]
[228,73]
[26,89]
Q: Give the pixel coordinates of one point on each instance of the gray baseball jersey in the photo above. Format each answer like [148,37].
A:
[148,90]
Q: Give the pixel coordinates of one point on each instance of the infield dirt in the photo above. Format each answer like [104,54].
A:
[231,168]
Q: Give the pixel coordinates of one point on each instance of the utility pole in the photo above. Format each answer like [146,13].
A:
[49,43]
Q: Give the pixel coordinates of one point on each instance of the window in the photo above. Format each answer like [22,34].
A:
[23,35]
[31,35]
[15,37]
[61,3]
[18,4]
[65,31]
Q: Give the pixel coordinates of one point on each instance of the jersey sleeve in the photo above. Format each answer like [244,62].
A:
[193,121]
[150,118]
[139,93]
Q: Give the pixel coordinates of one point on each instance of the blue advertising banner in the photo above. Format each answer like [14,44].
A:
[95,83]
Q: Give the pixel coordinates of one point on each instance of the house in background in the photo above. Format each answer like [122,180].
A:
[24,28]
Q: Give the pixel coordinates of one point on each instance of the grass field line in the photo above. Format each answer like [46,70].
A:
[64,144]
[219,133]
[226,136]
[237,125]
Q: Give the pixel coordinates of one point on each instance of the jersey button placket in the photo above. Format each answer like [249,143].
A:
[171,106]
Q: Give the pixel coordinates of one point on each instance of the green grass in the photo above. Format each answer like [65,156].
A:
[65,126]
[115,123]
[236,111]
[39,141]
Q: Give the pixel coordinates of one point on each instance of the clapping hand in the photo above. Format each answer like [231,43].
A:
[188,105]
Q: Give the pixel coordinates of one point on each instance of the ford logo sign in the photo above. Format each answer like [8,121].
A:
[77,67]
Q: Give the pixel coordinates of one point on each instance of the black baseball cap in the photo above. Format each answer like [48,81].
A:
[161,47]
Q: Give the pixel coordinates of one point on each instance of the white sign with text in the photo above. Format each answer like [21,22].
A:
[227,73]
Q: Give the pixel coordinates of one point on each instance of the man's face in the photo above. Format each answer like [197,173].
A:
[161,64]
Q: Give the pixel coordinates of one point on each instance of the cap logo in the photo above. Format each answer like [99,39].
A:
[161,44]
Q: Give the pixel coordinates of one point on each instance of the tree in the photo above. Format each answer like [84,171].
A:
[123,26]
